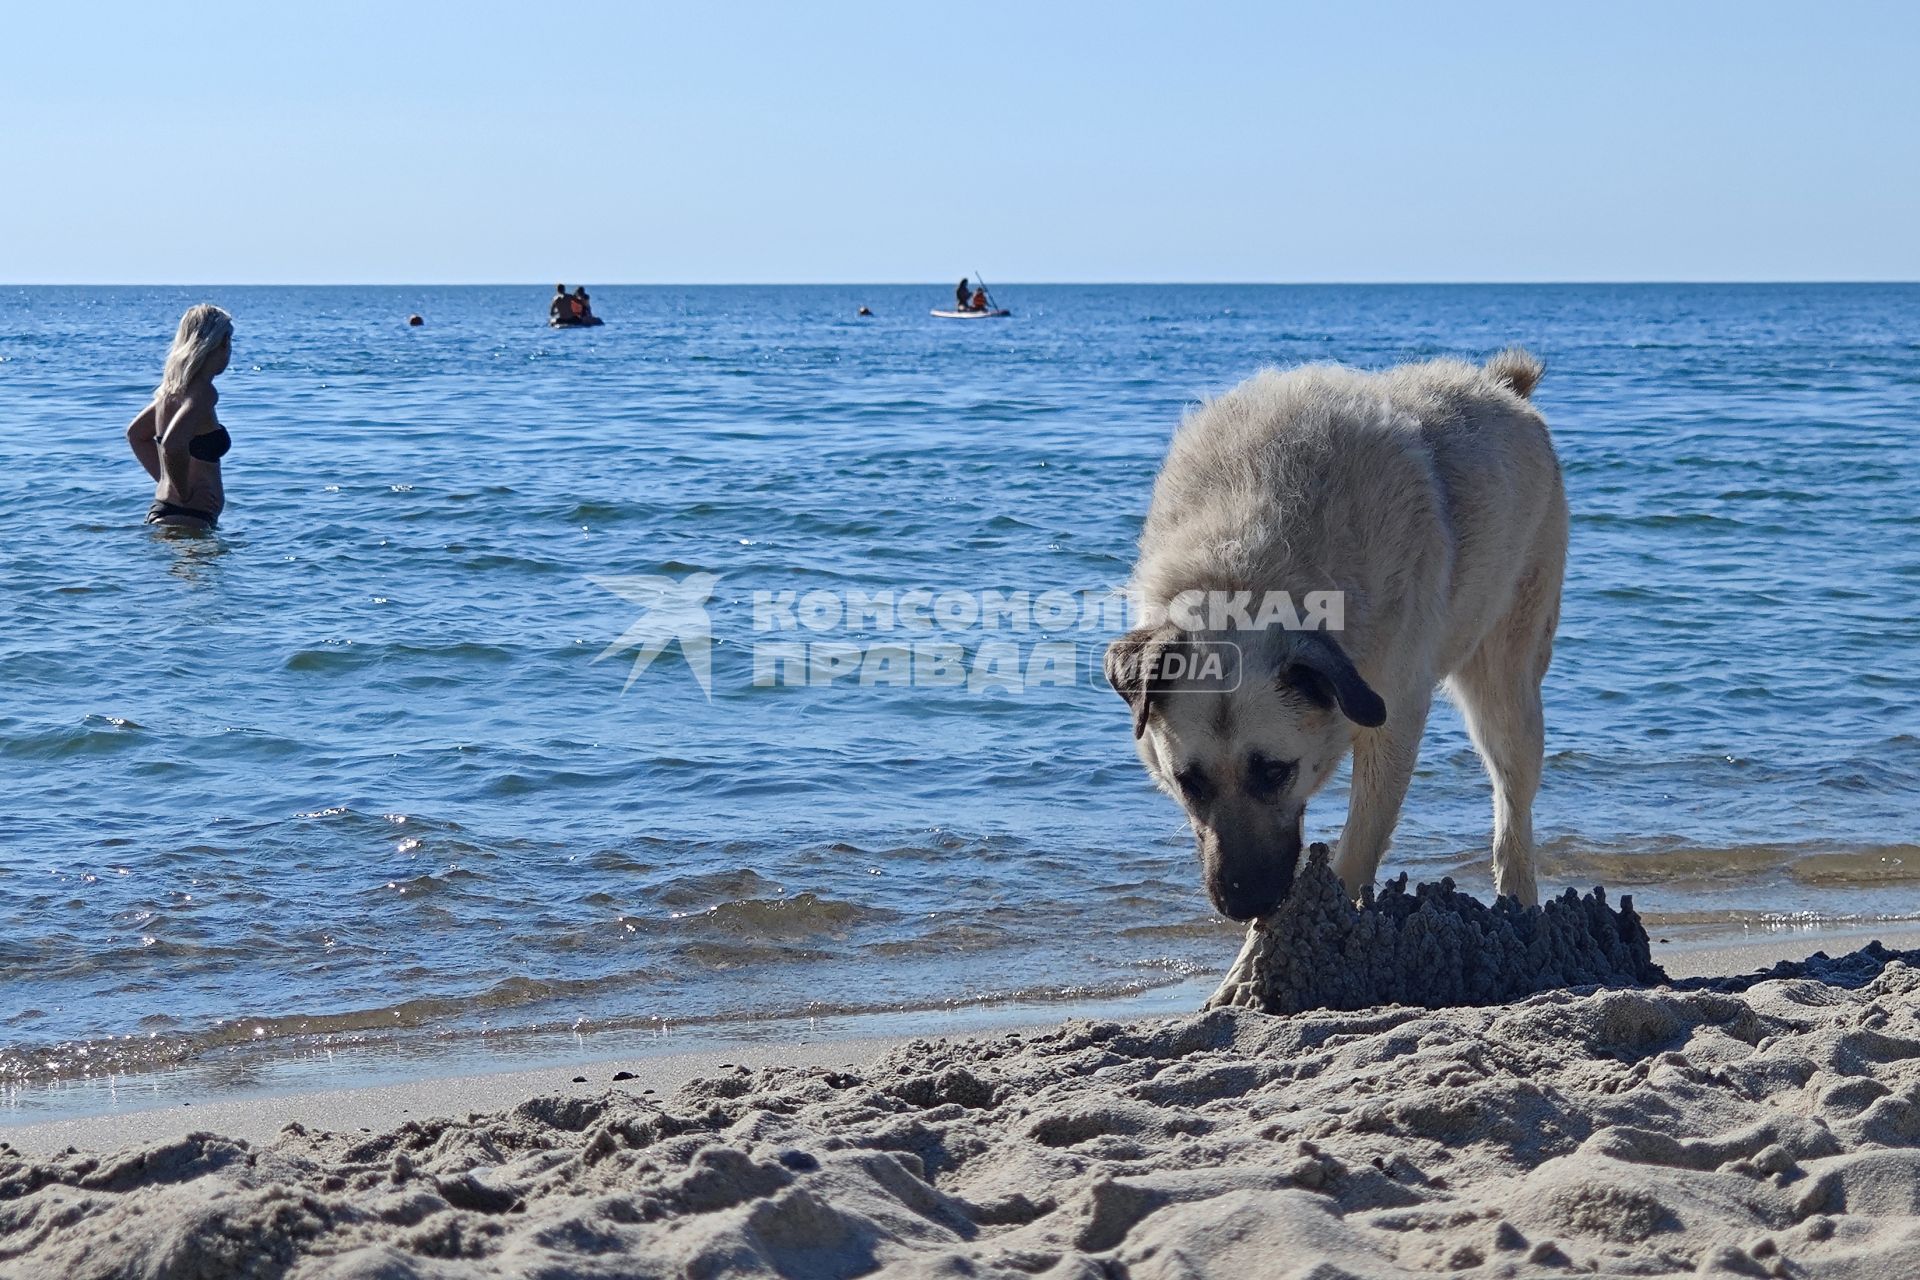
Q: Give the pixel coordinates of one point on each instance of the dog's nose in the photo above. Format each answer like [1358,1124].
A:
[1243,902]
[1248,873]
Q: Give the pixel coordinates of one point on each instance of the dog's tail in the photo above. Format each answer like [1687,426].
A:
[1516,369]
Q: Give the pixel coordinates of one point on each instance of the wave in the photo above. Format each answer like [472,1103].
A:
[1677,863]
[25,1065]
[350,655]
[94,735]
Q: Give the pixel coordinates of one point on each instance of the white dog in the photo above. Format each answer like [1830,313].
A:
[1426,503]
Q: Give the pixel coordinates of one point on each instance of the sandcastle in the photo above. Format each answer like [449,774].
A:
[1431,947]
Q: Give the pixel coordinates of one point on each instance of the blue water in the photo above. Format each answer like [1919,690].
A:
[349,771]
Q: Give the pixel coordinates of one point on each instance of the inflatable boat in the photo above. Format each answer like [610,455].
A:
[991,313]
[587,323]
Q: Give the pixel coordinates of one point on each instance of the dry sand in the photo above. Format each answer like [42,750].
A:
[1770,1131]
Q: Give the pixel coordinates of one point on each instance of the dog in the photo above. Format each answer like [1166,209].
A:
[1423,508]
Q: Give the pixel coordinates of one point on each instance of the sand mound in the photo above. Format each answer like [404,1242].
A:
[1774,1131]
[1433,947]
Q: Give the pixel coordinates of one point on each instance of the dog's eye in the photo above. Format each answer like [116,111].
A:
[1267,777]
[1194,785]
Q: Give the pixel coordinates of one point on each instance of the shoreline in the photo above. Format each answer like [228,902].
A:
[1762,1128]
[372,1091]
[261,1078]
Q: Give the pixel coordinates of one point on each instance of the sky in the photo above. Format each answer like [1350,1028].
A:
[1061,141]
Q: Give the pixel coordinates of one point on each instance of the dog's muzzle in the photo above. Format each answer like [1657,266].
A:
[1248,873]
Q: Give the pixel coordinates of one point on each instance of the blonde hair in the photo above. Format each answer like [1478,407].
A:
[202,330]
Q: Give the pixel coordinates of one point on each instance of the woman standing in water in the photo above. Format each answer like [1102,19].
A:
[177,438]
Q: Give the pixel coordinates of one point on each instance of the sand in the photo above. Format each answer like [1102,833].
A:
[1770,1130]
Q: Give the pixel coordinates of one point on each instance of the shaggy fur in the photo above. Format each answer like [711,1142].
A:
[1430,497]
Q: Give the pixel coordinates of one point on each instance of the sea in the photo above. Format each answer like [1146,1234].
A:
[731,670]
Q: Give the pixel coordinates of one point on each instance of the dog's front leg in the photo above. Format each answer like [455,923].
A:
[1241,986]
[1383,761]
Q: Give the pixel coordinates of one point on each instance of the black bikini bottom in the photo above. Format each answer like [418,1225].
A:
[162,510]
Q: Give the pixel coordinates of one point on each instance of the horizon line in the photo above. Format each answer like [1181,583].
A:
[918,284]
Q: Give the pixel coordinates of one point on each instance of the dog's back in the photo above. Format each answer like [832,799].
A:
[1423,493]
[1494,462]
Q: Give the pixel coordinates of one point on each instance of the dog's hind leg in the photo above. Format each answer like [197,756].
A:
[1383,761]
[1498,692]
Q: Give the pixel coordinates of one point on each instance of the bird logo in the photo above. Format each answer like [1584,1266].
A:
[675,611]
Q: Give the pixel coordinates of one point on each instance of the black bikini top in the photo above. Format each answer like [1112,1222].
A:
[210,446]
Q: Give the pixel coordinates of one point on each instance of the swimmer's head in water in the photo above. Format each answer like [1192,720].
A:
[201,347]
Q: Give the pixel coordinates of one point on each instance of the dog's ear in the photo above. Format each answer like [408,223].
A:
[1309,684]
[1321,671]
[1133,662]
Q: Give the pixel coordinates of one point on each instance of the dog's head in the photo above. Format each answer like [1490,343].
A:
[1241,730]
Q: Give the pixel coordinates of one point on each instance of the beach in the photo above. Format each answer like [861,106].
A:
[840,977]
[1770,1131]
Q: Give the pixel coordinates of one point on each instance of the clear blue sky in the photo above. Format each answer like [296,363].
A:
[628,142]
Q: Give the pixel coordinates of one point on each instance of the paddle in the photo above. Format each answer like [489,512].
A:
[982,286]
